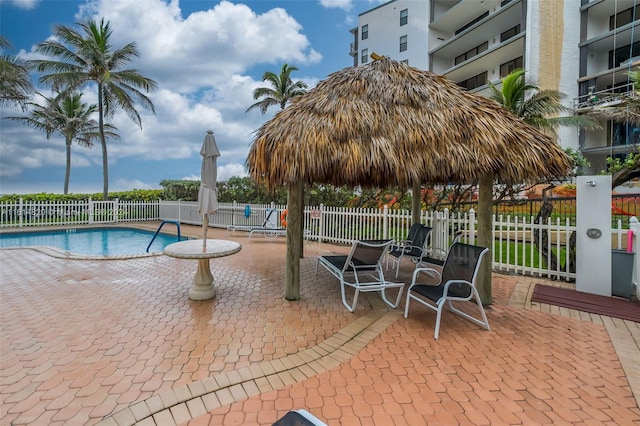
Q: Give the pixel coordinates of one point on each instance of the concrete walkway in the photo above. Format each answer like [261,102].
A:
[86,341]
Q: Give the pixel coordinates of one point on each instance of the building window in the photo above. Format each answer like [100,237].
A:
[472,23]
[475,81]
[365,32]
[509,67]
[403,43]
[471,53]
[625,17]
[620,134]
[404,17]
[623,54]
[364,57]
[405,61]
[511,32]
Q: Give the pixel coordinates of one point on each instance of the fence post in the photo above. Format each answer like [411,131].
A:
[634,227]
[234,207]
[321,224]
[21,212]
[472,226]
[116,205]
[90,205]
[385,222]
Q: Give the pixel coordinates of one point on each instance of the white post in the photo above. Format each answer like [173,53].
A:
[634,227]
[472,226]
[321,226]
[21,212]
[593,234]
[385,220]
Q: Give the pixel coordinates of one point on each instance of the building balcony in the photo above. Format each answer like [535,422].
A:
[607,98]
[485,61]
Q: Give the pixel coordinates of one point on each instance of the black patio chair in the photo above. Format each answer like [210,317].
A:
[457,283]
[414,250]
[437,256]
[361,269]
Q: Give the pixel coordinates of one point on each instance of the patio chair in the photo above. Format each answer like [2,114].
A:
[415,250]
[413,230]
[299,418]
[457,282]
[361,269]
[271,227]
[270,222]
[437,256]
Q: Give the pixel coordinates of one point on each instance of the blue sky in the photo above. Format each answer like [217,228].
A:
[207,58]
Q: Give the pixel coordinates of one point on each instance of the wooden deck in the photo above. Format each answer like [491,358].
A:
[587,302]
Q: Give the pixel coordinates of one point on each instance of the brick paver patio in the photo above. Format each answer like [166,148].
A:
[119,342]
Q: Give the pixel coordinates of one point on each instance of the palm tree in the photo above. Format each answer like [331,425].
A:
[70,117]
[85,56]
[282,89]
[540,108]
[15,82]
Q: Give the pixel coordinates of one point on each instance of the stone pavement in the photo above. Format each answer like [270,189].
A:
[117,341]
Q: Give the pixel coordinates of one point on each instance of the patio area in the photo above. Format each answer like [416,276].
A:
[116,342]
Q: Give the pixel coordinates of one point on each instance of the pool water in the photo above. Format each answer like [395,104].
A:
[94,242]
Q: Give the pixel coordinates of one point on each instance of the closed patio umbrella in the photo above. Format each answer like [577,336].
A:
[207,195]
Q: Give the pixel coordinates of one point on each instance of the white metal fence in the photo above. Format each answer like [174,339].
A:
[519,245]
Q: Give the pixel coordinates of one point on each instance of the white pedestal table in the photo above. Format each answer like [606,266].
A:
[202,288]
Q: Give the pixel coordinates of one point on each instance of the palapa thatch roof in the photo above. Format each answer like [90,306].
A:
[389,124]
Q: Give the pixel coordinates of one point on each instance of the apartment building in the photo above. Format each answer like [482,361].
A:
[609,49]
[579,47]
[398,29]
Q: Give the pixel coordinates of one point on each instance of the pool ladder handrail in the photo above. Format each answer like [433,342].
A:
[160,227]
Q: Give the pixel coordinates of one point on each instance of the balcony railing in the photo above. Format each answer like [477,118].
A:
[604,98]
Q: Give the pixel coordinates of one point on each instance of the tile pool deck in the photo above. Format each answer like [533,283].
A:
[115,342]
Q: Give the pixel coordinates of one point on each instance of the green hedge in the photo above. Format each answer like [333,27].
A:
[134,195]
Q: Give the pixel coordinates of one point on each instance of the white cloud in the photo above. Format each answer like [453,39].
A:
[204,48]
[22,4]
[342,4]
[201,64]
[231,170]
[128,185]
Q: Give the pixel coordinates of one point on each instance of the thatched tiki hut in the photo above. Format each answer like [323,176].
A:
[387,124]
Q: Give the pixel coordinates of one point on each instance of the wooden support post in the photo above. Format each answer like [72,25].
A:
[294,246]
[485,236]
[416,203]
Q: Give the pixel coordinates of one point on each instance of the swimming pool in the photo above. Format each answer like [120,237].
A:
[92,241]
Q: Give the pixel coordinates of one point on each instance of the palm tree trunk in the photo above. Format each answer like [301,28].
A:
[67,171]
[103,143]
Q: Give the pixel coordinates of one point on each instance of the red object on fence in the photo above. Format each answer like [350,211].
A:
[618,210]
[629,241]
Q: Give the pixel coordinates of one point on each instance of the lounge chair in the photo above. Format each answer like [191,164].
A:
[361,269]
[457,282]
[269,228]
[270,221]
[414,250]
